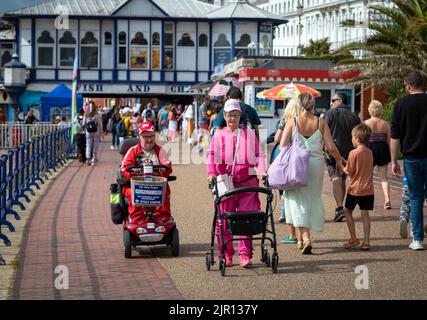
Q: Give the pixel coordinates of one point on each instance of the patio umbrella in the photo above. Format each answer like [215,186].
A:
[222,86]
[287,91]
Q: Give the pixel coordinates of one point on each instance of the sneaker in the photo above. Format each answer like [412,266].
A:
[403,228]
[228,261]
[339,215]
[351,243]
[289,240]
[416,245]
[112,147]
[245,261]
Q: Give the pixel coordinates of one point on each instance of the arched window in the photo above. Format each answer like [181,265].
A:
[108,39]
[155,51]
[45,49]
[89,51]
[122,49]
[139,52]
[242,45]
[67,49]
[203,40]
[185,40]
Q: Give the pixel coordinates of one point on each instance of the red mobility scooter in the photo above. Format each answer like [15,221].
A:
[148,191]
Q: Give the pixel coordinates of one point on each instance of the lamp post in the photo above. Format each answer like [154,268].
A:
[300,8]
[15,81]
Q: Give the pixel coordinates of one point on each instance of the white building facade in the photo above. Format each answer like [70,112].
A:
[136,47]
[317,19]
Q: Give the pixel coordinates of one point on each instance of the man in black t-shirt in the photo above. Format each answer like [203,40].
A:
[409,130]
[249,115]
[341,121]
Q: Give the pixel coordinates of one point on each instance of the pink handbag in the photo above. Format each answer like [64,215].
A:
[289,170]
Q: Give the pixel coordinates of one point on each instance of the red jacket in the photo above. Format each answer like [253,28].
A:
[131,157]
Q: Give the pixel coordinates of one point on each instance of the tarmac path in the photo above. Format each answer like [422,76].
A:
[71,226]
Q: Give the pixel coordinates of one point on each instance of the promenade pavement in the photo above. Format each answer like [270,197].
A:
[71,226]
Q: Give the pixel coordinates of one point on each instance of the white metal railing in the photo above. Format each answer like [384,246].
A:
[15,133]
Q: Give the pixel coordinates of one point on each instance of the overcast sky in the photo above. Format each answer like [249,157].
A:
[8,5]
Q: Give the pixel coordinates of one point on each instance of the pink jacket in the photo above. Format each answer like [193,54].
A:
[249,156]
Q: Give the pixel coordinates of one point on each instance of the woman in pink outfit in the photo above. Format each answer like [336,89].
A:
[249,164]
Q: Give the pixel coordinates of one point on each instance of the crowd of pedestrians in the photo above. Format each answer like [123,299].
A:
[227,132]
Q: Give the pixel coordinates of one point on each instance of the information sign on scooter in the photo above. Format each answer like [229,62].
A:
[148,195]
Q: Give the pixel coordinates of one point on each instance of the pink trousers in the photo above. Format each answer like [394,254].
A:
[242,202]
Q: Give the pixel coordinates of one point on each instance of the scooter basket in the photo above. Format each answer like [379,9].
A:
[148,191]
[246,223]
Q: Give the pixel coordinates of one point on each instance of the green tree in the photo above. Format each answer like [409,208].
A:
[399,44]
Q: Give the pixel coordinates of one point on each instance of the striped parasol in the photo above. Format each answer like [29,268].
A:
[222,86]
[287,91]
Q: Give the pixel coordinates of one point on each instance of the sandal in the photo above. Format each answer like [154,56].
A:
[365,246]
[307,247]
[351,243]
[387,206]
[300,245]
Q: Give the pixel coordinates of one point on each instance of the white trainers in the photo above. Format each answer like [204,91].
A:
[403,228]
[416,245]
[112,147]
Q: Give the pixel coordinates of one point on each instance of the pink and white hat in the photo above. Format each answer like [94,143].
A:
[232,104]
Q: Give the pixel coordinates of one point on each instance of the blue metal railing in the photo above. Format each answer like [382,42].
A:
[25,167]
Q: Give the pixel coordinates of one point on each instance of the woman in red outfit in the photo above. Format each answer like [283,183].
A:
[147,149]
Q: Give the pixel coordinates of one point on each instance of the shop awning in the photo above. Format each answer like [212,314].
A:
[295,75]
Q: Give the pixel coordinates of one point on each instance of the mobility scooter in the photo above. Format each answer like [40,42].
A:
[148,193]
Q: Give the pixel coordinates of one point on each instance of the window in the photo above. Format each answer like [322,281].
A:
[168,59]
[155,51]
[122,49]
[242,45]
[108,39]
[67,49]
[185,40]
[139,52]
[5,58]
[45,47]
[89,51]
[203,40]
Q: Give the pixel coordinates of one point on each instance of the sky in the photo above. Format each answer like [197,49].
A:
[8,5]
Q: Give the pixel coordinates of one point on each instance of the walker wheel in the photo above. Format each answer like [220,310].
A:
[275,262]
[208,261]
[222,267]
[266,259]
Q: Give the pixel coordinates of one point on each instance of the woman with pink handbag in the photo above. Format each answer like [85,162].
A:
[304,206]
[235,158]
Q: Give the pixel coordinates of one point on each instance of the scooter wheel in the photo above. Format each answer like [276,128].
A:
[127,244]
[175,243]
